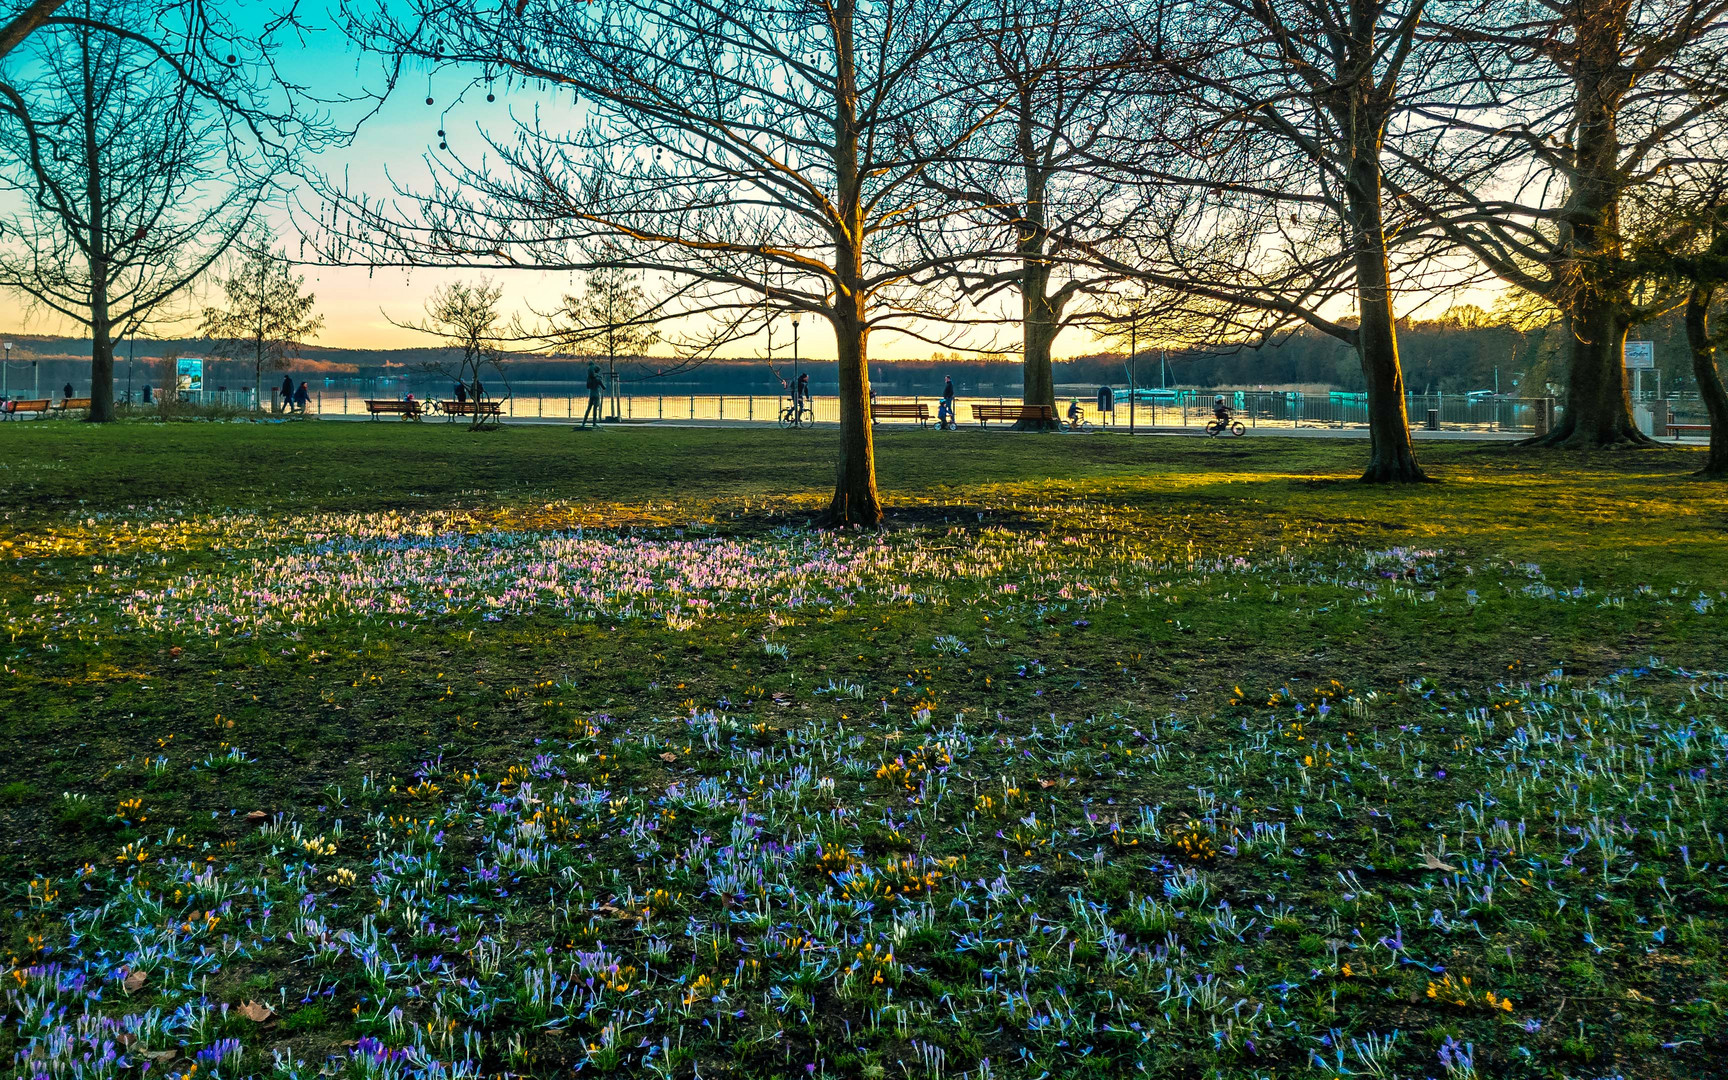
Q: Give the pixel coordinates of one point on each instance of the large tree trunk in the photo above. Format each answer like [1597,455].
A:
[101,370]
[1598,404]
[855,499]
[1391,458]
[1038,319]
[1598,408]
[1040,324]
[1709,379]
[101,330]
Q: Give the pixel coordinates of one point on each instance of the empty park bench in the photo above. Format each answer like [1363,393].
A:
[32,405]
[900,410]
[407,410]
[72,403]
[1677,430]
[486,410]
[1040,414]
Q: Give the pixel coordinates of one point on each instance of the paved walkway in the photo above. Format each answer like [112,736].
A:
[1419,434]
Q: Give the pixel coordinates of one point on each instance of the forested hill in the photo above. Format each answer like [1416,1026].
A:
[1443,355]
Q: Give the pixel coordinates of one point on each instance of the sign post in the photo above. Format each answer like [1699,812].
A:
[1640,356]
[189,378]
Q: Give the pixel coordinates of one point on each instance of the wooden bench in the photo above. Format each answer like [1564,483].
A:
[407,410]
[490,410]
[67,404]
[1040,414]
[33,405]
[900,410]
[1677,430]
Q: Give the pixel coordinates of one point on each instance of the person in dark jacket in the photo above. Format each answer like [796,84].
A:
[66,391]
[461,393]
[595,386]
[287,394]
[945,411]
[302,397]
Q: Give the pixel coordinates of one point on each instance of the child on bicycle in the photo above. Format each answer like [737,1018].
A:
[1074,414]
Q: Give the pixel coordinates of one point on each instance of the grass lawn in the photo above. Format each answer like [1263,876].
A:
[390,750]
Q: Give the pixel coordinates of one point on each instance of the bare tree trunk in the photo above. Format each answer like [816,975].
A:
[855,499]
[1040,324]
[1392,458]
[1709,379]
[1598,404]
[101,332]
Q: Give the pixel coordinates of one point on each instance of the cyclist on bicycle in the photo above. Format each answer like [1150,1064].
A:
[1074,415]
[1220,417]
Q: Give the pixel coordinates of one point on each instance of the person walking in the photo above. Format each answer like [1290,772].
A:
[596,385]
[945,411]
[302,397]
[287,401]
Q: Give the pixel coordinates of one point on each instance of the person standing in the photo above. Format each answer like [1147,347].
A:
[461,393]
[66,391]
[945,411]
[596,385]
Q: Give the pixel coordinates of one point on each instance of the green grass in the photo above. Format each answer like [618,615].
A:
[1132,753]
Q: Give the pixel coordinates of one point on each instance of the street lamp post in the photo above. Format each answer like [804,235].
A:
[3,367]
[795,317]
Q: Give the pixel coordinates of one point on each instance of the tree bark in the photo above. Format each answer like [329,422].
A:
[1709,379]
[1040,324]
[1391,457]
[855,499]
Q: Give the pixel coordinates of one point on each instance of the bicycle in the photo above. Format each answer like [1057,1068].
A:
[1081,426]
[797,414]
[1221,427]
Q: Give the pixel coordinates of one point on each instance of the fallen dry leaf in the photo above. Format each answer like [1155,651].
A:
[256,1012]
[134,981]
[1046,784]
[160,1057]
[256,817]
[1429,862]
[668,756]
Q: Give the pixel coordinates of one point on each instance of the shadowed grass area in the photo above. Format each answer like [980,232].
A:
[581,750]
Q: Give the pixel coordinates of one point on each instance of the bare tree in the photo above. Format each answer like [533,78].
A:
[1267,196]
[1026,187]
[267,317]
[122,177]
[761,149]
[465,316]
[1577,104]
[612,317]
